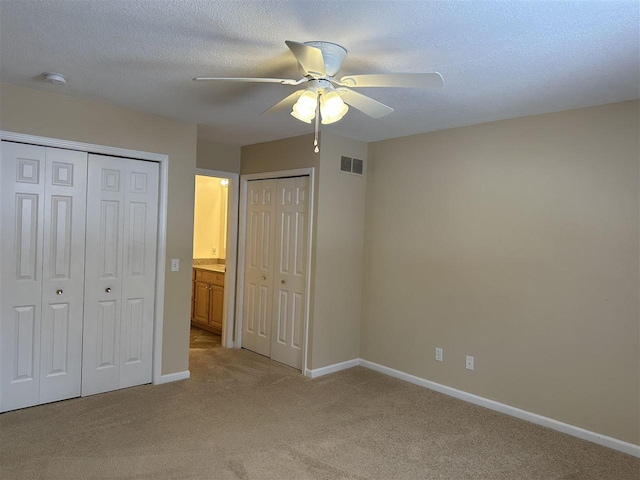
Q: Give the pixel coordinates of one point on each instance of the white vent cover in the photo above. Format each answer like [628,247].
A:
[351,165]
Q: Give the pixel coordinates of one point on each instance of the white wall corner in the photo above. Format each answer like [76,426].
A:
[173,377]
[610,442]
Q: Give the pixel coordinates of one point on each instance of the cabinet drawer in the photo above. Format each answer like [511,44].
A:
[214,278]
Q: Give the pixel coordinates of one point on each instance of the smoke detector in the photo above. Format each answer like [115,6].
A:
[55,78]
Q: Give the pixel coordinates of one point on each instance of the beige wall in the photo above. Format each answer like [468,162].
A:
[338,239]
[286,154]
[340,252]
[209,218]
[57,116]
[516,242]
[217,156]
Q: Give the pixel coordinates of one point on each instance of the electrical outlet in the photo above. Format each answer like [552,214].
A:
[438,354]
[214,250]
[175,264]
[469,362]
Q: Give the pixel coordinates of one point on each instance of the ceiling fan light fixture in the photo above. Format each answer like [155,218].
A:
[332,107]
[305,108]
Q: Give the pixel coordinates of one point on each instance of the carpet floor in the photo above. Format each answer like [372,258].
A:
[242,416]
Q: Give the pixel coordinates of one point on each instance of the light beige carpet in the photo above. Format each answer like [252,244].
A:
[244,416]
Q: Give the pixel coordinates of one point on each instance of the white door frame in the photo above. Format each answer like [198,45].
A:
[231,253]
[163,160]
[299,172]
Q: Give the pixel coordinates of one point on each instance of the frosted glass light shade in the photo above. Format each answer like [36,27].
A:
[332,108]
[305,108]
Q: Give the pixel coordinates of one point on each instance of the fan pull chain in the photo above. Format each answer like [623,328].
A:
[315,140]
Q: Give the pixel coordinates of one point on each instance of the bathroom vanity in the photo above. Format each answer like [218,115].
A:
[207,297]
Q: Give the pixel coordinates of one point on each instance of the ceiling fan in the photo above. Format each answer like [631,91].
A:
[327,95]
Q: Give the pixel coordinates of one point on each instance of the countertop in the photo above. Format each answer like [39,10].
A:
[211,268]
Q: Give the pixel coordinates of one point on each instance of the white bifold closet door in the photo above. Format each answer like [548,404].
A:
[122,222]
[258,275]
[78,251]
[276,254]
[42,246]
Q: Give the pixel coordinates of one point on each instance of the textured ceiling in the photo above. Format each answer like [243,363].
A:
[499,59]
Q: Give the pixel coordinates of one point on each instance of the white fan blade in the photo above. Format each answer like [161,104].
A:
[366,105]
[284,104]
[415,80]
[310,58]
[283,81]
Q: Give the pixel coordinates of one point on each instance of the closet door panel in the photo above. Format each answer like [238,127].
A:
[63,274]
[259,255]
[103,274]
[22,171]
[139,272]
[122,228]
[290,272]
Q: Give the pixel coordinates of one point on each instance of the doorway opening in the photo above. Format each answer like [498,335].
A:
[214,257]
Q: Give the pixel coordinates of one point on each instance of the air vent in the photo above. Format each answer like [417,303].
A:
[345,164]
[351,165]
[356,167]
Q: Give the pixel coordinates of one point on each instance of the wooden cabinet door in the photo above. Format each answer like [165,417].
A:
[193,292]
[215,311]
[201,306]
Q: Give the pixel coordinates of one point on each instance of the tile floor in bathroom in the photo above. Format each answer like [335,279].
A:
[203,340]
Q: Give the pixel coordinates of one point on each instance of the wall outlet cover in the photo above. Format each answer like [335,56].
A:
[175,264]
[438,354]
[469,362]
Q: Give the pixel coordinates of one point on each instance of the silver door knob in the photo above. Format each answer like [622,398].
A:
[108,289]
[58,292]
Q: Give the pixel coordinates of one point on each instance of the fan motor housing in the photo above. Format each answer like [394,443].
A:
[332,53]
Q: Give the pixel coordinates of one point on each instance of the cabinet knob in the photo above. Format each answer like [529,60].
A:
[58,292]
[108,289]
[264,278]
[282,282]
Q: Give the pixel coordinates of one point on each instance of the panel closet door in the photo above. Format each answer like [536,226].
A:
[122,212]
[275,284]
[63,275]
[42,248]
[258,274]
[290,272]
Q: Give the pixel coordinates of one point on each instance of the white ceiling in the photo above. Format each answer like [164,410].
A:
[499,59]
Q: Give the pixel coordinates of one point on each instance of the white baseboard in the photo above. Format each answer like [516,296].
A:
[574,431]
[174,377]
[336,367]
